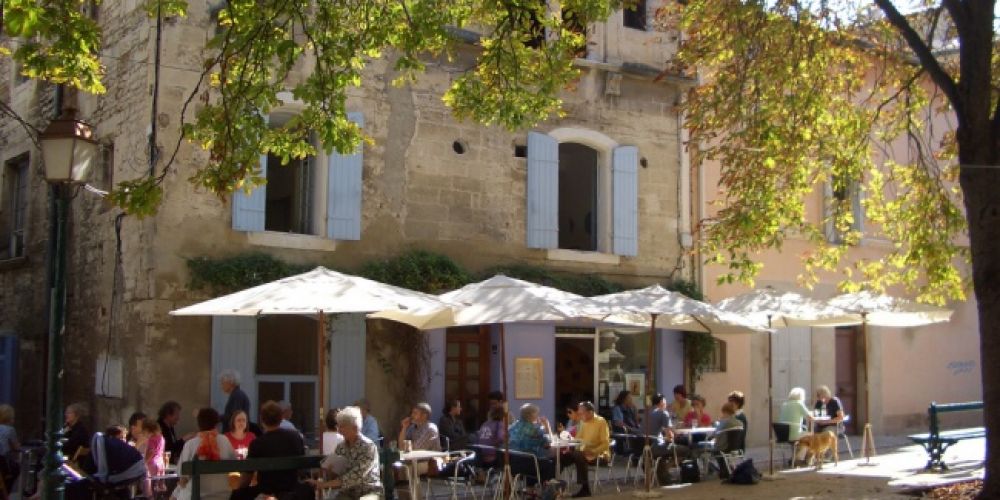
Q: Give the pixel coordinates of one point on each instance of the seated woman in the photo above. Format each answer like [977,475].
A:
[738,400]
[355,463]
[239,434]
[452,428]
[530,434]
[331,436]
[207,445]
[113,464]
[491,434]
[623,414]
[697,417]
[794,412]
[832,407]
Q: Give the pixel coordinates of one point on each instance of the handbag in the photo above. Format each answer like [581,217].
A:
[690,472]
[745,473]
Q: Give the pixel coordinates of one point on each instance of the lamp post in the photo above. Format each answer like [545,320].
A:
[68,150]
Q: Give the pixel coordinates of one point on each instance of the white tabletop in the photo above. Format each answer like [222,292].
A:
[565,443]
[694,430]
[422,455]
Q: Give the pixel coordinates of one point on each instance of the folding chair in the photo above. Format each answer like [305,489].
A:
[782,430]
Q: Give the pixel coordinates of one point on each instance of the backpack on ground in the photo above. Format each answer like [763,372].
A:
[745,473]
[690,472]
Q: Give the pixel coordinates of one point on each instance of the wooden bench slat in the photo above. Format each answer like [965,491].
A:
[203,467]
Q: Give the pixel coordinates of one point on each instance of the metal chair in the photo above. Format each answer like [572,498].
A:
[782,431]
[733,450]
[606,463]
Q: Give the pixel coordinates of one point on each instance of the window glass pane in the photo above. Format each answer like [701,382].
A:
[454,349]
[270,391]
[472,350]
[304,414]
[471,386]
[452,368]
[471,368]
[622,352]
[451,388]
[286,345]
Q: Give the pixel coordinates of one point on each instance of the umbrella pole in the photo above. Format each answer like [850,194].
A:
[864,366]
[647,452]
[506,413]
[321,321]
[770,397]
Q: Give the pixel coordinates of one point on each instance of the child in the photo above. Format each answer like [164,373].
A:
[154,444]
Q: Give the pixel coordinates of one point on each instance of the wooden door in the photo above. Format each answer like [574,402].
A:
[847,373]
[467,371]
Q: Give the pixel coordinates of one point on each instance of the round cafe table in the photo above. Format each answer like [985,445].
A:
[411,458]
[557,444]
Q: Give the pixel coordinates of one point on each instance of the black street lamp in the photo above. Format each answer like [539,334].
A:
[68,150]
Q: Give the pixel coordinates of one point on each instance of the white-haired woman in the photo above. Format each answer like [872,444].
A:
[354,464]
[793,412]
[238,400]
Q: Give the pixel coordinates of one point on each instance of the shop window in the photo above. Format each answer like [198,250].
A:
[15,210]
[622,363]
[634,15]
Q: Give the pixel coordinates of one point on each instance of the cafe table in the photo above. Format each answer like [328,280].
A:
[411,458]
[557,444]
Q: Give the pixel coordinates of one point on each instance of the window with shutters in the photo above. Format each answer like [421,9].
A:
[318,195]
[15,207]
[582,195]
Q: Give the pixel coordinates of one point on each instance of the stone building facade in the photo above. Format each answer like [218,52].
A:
[426,181]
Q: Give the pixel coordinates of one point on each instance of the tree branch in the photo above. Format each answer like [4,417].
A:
[930,63]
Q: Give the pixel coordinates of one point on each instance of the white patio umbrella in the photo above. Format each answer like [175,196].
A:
[502,299]
[321,292]
[776,308]
[675,311]
[867,308]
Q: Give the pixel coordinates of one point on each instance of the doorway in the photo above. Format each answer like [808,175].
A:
[289,370]
[467,371]
[574,372]
[847,366]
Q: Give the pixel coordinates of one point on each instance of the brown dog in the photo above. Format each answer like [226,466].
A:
[816,446]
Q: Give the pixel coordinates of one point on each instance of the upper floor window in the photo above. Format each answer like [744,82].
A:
[582,193]
[847,195]
[318,195]
[15,207]
[634,15]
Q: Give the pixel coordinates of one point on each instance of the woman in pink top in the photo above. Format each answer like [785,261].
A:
[239,436]
[697,416]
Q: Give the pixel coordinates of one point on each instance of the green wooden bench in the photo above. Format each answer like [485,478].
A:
[937,441]
[197,468]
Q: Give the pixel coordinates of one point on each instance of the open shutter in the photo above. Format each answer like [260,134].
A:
[343,200]
[625,181]
[249,209]
[234,346]
[543,191]
[347,359]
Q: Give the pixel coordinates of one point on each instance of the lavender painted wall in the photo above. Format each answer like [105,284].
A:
[670,360]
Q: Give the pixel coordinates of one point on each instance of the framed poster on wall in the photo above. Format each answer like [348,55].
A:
[636,384]
[528,380]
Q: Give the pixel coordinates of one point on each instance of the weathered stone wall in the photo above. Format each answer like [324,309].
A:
[418,193]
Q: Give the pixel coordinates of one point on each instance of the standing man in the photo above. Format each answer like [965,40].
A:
[237,401]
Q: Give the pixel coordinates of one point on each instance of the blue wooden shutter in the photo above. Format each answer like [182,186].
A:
[543,191]
[234,346]
[249,209]
[343,198]
[346,333]
[625,180]
[8,369]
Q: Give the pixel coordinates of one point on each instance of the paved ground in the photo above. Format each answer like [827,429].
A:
[894,473]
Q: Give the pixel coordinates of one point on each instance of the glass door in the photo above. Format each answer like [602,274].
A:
[287,368]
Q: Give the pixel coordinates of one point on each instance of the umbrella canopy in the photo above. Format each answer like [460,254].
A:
[501,299]
[779,309]
[673,310]
[884,310]
[329,292]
